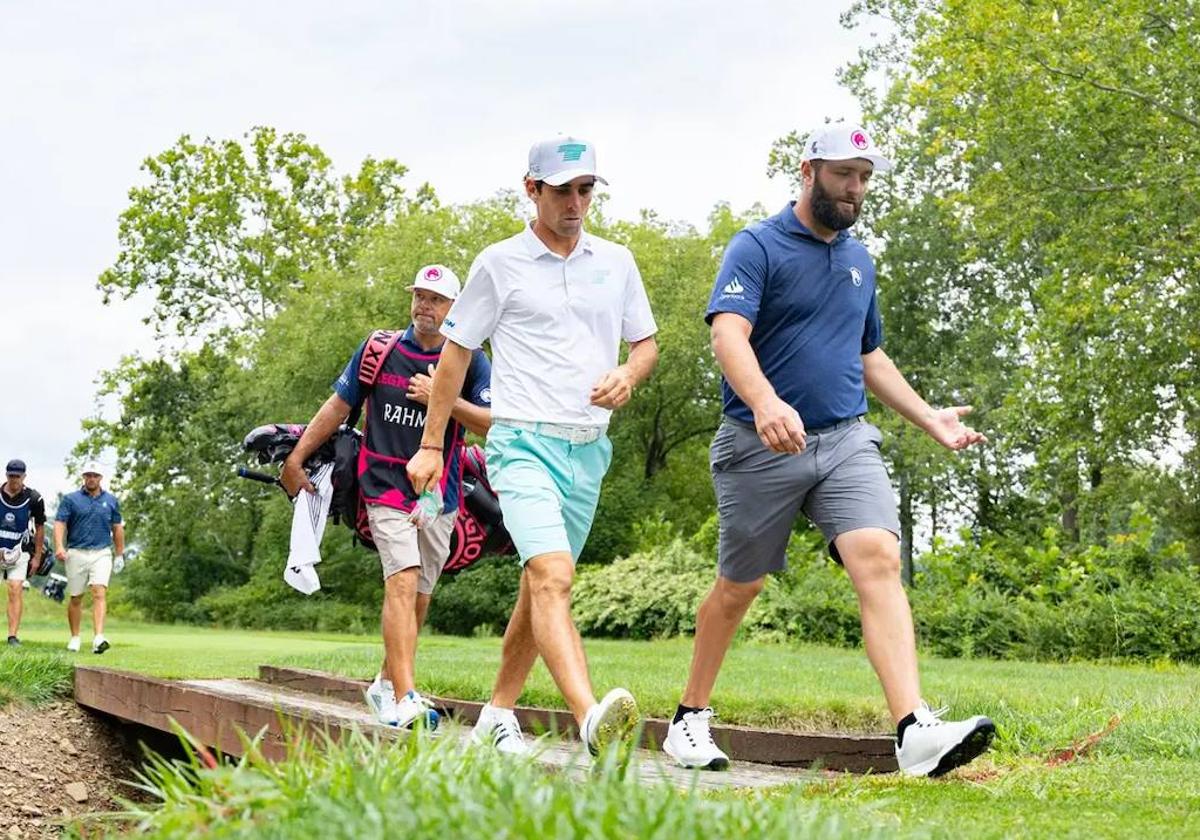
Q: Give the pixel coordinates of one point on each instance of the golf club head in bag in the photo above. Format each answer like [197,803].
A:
[273,442]
[55,587]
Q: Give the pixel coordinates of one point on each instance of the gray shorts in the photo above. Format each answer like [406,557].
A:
[839,481]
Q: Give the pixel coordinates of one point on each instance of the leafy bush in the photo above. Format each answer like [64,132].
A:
[1128,598]
[480,598]
[646,595]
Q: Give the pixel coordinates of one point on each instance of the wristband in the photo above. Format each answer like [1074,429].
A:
[432,446]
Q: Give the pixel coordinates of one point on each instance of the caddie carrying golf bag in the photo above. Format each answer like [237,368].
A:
[478,529]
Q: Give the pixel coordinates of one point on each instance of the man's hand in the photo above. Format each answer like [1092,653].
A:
[614,389]
[779,426]
[946,427]
[60,554]
[294,479]
[35,563]
[425,469]
[118,563]
[420,387]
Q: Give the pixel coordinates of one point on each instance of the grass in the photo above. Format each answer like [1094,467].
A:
[420,788]
[1144,778]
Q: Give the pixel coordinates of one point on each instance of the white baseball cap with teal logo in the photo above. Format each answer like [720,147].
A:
[439,280]
[844,142]
[562,159]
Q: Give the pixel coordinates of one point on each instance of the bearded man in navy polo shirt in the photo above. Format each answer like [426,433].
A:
[797,333]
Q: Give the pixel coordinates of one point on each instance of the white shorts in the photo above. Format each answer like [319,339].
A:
[402,545]
[17,572]
[87,567]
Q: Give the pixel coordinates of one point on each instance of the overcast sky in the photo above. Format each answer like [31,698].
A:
[682,100]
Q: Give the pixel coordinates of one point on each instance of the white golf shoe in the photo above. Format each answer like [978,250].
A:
[414,710]
[100,644]
[499,728]
[381,699]
[613,719]
[931,746]
[73,644]
[690,742]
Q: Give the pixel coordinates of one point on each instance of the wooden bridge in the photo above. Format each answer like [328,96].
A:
[291,699]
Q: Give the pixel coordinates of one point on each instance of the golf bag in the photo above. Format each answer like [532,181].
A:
[478,529]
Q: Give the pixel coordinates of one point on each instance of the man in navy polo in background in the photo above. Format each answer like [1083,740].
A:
[87,530]
[797,333]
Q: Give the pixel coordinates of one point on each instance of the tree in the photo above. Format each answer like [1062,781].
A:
[224,228]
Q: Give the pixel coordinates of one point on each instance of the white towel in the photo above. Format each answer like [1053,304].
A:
[309,512]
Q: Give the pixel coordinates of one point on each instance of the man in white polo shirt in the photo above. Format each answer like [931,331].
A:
[556,303]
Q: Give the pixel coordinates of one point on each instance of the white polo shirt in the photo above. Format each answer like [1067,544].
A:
[556,324]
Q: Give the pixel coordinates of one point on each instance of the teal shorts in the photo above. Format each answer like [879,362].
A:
[548,488]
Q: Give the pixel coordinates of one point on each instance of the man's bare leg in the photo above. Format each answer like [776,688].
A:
[519,652]
[423,601]
[872,560]
[717,621]
[15,605]
[99,609]
[75,613]
[400,629]
[550,576]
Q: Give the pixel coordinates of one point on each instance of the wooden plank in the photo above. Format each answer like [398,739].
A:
[853,753]
[214,711]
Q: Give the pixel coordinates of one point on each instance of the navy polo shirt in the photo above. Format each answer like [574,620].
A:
[813,310]
[89,519]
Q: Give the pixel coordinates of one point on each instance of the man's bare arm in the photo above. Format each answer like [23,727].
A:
[779,425]
[944,425]
[325,422]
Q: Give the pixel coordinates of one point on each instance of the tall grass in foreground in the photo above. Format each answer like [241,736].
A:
[422,787]
[32,676]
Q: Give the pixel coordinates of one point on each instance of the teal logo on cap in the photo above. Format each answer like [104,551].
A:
[572,151]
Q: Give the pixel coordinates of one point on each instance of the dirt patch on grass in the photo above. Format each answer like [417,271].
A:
[52,757]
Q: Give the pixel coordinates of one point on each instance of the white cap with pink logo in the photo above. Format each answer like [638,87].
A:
[844,142]
[439,280]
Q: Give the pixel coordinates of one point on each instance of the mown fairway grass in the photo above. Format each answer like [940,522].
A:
[1143,779]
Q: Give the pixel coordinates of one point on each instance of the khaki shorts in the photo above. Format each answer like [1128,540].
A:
[17,572]
[87,567]
[403,546]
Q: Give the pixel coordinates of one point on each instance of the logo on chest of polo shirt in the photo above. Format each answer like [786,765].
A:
[600,277]
[8,517]
[855,275]
[734,287]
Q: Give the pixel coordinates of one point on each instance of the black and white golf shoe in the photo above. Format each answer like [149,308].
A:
[931,746]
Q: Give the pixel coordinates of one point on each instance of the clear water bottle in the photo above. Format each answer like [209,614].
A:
[427,508]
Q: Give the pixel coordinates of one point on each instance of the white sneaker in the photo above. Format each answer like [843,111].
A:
[381,698]
[499,728]
[414,710]
[932,746]
[690,742]
[613,719]
[73,644]
[99,644]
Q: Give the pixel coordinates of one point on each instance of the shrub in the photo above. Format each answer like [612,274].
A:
[481,597]
[646,595]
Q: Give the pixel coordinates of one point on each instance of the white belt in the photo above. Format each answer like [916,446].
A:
[562,431]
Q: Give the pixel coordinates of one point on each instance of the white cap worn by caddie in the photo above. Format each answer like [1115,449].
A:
[844,142]
[561,159]
[439,280]
[92,467]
